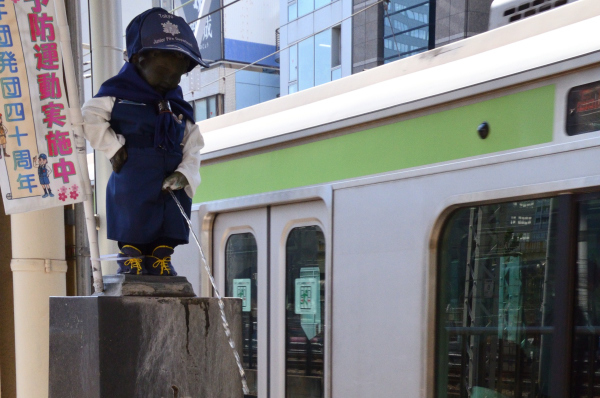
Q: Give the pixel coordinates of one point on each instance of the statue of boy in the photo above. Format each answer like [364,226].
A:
[141,122]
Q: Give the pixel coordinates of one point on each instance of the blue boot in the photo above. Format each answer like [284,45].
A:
[159,263]
[134,264]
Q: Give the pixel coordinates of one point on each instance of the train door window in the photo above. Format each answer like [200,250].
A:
[496,301]
[305,312]
[241,269]
[586,344]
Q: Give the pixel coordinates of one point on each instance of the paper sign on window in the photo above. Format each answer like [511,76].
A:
[242,289]
[306,300]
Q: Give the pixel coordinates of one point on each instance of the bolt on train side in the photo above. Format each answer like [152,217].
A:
[428,228]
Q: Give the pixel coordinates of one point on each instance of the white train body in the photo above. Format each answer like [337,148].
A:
[383,229]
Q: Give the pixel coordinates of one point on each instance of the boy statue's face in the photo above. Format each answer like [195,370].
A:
[161,69]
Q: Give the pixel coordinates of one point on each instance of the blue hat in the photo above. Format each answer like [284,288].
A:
[43,156]
[157,29]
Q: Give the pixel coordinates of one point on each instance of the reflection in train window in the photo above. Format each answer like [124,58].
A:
[583,109]
[496,301]
[586,347]
[240,276]
[305,312]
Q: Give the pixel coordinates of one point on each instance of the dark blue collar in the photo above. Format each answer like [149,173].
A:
[129,85]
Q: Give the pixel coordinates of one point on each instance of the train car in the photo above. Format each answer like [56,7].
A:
[428,228]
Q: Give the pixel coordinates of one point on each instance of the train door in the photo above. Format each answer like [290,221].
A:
[240,267]
[277,257]
[299,299]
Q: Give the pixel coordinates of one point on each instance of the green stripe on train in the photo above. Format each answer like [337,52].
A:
[516,120]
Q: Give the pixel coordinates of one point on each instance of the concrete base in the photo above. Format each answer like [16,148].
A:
[147,285]
[129,347]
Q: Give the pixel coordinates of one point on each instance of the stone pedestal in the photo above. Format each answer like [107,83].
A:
[146,347]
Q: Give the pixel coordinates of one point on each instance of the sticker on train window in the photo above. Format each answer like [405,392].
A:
[242,288]
[583,112]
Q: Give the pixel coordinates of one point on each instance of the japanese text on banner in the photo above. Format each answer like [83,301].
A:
[39,167]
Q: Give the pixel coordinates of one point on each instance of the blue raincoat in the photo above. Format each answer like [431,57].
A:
[138,211]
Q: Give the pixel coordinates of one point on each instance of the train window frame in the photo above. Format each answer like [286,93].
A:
[574,124]
[565,257]
[578,331]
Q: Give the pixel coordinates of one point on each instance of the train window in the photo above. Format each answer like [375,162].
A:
[586,343]
[240,278]
[305,312]
[496,301]
[583,109]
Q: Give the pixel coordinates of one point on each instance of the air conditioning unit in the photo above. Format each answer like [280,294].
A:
[504,12]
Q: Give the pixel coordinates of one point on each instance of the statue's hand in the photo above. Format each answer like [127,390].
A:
[175,181]
[119,159]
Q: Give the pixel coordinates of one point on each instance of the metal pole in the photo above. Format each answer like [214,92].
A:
[77,121]
[82,245]
[106,37]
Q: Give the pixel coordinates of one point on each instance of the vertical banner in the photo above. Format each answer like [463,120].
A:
[39,167]
[208,29]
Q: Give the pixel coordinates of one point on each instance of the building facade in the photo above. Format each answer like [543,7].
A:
[324,40]
[232,35]
[459,19]
[315,42]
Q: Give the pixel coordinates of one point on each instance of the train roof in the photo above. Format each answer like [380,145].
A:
[564,33]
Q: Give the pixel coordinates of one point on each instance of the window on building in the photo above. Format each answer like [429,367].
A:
[518,305]
[321,3]
[241,267]
[299,8]
[306,63]
[323,57]
[305,314]
[292,10]
[254,87]
[336,53]
[305,7]
[208,107]
[315,60]
[406,28]
[293,73]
